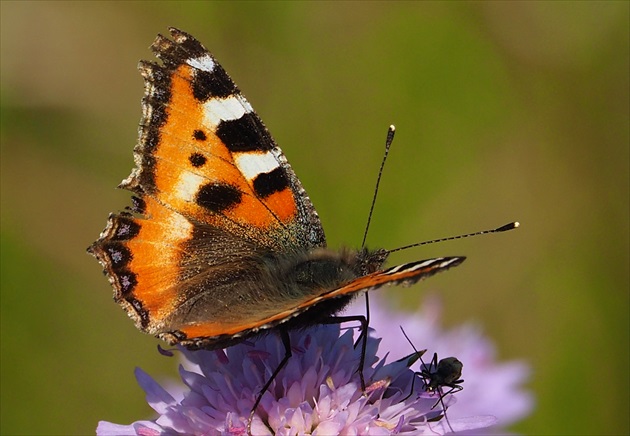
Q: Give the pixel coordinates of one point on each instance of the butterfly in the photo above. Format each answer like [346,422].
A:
[221,242]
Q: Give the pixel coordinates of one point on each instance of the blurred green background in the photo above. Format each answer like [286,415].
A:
[504,111]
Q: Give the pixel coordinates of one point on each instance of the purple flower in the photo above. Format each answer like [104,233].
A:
[318,392]
[490,387]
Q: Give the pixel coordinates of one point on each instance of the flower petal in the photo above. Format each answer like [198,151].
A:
[157,397]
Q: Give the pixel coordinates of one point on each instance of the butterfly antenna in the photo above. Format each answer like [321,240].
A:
[504,228]
[388,143]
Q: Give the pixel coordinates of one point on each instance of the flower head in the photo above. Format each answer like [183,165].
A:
[317,392]
[490,387]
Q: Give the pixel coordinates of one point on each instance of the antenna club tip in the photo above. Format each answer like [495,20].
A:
[509,226]
[392,127]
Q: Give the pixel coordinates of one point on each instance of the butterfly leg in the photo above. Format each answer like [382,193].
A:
[286,341]
[363,334]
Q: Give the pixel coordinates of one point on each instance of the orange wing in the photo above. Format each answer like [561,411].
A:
[204,153]
[205,163]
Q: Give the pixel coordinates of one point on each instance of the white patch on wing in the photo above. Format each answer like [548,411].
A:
[225,109]
[203,63]
[188,185]
[179,227]
[252,164]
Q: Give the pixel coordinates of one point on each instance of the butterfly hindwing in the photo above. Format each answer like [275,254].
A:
[406,275]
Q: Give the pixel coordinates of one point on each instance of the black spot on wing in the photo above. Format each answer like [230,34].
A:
[197,160]
[218,197]
[199,135]
[266,184]
[247,133]
[212,84]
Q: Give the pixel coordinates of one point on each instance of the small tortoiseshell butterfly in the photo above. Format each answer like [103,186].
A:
[221,242]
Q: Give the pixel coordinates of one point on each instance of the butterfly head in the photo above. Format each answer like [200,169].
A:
[369,261]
